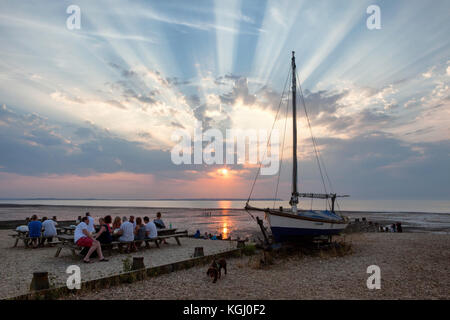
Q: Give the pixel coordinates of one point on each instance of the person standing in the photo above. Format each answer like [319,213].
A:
[91,222]
[393,227]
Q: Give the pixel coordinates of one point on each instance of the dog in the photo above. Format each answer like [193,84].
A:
[215,269]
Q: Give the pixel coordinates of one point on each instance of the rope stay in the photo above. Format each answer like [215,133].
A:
[316,151]
[269,138]
[320,162]
[282,151]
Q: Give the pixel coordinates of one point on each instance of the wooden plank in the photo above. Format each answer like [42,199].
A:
[58,251]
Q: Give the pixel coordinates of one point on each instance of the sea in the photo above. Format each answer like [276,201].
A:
[227,217]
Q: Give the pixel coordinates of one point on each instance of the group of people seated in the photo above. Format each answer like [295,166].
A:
[207,235]
[395,227]
[41,230]
[127,230]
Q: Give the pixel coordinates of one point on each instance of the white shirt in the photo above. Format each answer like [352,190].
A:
[128,231]
[90,226]
[22,228]
[151,227]
[49,228]
[79,231]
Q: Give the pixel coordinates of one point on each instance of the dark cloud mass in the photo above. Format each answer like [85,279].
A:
[30,146]
[368,163]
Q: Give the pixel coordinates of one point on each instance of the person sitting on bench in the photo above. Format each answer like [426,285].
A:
[126,233]
[132,221]
[83,238]
[34,230]
[49,227]
[104,235]
[159,223]
[150,228]
[116,226]
[139,232]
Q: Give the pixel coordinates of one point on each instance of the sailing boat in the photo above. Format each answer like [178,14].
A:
[293,224]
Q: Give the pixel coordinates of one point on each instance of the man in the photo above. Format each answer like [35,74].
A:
[90,224]
[150,228]
[126,233]
[83,238]
[160,224]
[158,221]
[49,227]
[133,221]
[34,230]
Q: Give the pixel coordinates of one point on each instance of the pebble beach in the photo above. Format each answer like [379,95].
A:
[18,264]
[413,266]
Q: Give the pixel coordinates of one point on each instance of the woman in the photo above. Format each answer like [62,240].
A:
[139,231]
[116,224]
[104,235]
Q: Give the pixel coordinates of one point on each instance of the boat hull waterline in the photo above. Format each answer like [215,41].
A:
[286,228]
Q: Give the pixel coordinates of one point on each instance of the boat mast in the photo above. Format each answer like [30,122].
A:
[294,196]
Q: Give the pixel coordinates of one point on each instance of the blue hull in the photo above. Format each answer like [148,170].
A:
[281,234]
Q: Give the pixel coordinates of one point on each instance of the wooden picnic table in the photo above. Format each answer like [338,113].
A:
[166,231]
[67,241]
[69,229]
[23,235]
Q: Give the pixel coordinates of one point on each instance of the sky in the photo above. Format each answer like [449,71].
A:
[90,112]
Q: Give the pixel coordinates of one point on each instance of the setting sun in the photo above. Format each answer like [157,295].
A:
[223,172]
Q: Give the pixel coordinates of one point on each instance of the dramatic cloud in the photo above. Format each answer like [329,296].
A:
[98,106]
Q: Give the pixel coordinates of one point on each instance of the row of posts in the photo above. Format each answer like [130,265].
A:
[40,280]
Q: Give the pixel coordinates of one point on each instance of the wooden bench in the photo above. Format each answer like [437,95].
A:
[26,239]
[176,235]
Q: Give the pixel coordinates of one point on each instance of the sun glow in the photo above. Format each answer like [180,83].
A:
[224,172]
[225,231]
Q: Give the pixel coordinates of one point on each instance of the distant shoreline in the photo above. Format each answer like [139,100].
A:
[162,199]
[15,205]
[12,214]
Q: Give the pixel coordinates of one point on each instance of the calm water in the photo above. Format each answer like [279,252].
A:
[435,206]
[227,217]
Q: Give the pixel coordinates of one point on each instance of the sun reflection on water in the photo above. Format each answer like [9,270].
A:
[225,231]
